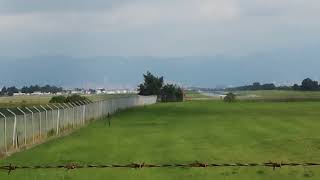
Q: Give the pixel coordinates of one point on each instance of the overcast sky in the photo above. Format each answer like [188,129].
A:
[156,27]
[281,34]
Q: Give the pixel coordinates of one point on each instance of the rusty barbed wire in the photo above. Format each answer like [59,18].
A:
[71,166]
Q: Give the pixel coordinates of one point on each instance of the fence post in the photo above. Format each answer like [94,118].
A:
[78,105]
[5,131]
[84,112]
[39,119]
[77,108]
[77,113]
[58,118]
[64,113]
[25,125]
[51,111]
[46,117]
[31,124]
[68,116]
[14,139]
[73,118]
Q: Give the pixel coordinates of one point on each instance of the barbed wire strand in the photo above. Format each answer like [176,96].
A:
[71,166]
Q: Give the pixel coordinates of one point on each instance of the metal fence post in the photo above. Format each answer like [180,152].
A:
[64,114]
[73,117]
[51,111]
[77,112]
[58,118]
[68,115]
[46,117]
[84,113]
[25,125]
[5,131]
[39,119]
[14,139]
[31,123]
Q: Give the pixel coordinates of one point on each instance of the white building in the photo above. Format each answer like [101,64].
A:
[19,94]
[37,93]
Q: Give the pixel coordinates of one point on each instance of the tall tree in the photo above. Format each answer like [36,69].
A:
[152,85]
[3,91]
[309,85]
[171,93]
[12,90]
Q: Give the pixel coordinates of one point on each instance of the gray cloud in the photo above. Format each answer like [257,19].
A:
[154,28]
[35,6]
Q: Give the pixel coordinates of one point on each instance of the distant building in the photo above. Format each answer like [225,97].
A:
[110,92]
[100,91]
[37,93]
[19,94]
[76,92]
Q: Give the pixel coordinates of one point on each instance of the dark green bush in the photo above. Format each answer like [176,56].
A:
[230,97]
[75,98]
[58,99]
[171,93]
[69,99]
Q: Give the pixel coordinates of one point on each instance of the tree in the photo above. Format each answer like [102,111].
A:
[230,97]
[25,89]
[296,87]
[270,86]
[75,98]
[12,90]
[69,99]
[256,86]
[171,93]
[3,91]
[180,94]
[152,85]
[309,85]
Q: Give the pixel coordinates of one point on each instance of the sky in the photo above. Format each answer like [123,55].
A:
[233,29]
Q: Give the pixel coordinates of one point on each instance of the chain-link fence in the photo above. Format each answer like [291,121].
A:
[20,127]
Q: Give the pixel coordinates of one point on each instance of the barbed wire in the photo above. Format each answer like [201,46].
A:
[71,166]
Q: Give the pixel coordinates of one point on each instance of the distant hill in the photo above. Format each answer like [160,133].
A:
[189,71]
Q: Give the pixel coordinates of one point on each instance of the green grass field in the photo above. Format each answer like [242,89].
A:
[279,95]
[16,101]
[193,95]
[208,131]
[263,95]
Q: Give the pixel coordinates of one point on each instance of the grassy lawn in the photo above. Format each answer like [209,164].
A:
[16,101]
[278,95]
[99,97]
[194,95]
[208,131]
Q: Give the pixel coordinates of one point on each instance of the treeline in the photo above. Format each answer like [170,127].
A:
[255,86]
[155,86]
[30,89]
[306,85]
